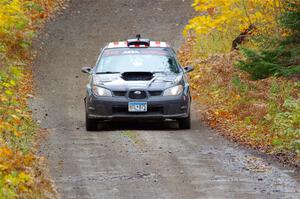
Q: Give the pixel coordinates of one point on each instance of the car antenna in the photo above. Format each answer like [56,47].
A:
[138,36]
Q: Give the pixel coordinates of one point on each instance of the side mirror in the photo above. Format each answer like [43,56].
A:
[188,69]
[87,70]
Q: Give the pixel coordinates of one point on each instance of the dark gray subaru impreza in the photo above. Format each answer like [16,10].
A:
[137,79]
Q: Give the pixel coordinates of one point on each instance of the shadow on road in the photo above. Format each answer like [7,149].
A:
[138,125]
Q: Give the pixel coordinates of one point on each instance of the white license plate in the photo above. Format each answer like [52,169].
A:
[137,106]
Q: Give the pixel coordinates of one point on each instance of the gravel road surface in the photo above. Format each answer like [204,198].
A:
[134,160]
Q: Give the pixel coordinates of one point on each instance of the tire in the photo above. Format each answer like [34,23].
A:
[184,123]
[91,124]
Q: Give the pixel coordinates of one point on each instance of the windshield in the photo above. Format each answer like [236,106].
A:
[137,60]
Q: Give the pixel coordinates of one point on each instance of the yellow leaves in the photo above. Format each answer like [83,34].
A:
[20,172]
[5,152]
[16,179]
[12,82]
[8,92]
[20,182]
[24,177]
[237,97]
[196,77]
[216,113]
[13,169]
[11,13]
[233,16]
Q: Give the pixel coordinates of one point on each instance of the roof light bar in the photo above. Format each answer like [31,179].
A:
[138,42]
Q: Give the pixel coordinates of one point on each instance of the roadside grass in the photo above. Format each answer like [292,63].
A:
[22,172]
[262,114]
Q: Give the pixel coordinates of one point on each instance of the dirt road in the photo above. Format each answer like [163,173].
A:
[136,160]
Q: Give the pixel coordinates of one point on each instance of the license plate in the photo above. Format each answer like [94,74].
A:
[137,106]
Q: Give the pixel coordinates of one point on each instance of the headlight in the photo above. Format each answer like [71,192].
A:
[102,92]
[173,91]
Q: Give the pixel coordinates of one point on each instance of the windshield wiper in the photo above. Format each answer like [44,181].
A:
[107,72]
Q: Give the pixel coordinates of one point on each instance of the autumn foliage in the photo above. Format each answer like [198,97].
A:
[263,114]
[223,20]
[21,175]
[235,15]
[279,56]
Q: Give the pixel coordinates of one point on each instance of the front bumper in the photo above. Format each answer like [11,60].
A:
[159,107]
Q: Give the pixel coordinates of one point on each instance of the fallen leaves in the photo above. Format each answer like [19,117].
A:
[255,164]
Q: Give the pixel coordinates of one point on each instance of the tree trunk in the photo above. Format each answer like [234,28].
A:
[242,37]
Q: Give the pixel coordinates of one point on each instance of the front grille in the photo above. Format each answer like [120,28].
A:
[137,94]
[155,93]
[155,109]
[150,110]
[119,93]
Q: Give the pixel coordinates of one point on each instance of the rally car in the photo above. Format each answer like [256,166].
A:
[137,79]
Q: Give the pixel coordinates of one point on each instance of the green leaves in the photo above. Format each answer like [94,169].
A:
[290,18]
[241,86]
[32,6]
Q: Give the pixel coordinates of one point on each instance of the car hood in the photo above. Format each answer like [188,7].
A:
[116,82]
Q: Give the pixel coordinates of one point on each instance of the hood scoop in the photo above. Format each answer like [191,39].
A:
[137,76]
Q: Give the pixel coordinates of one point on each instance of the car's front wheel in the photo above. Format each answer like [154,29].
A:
[185,123]
[91,124]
